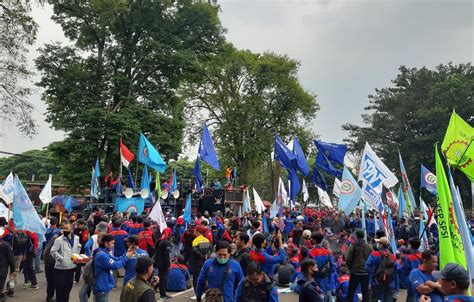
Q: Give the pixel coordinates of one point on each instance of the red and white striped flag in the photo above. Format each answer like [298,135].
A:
[125,155]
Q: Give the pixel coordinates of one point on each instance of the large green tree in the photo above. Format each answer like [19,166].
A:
[413,114]
[245,98]
[121,75]
[17,33]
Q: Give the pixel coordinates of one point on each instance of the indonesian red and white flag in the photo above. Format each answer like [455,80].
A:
[125,155]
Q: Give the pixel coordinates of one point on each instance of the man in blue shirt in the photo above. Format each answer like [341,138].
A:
[454,283]
[132,244]
[220,272]
[259,254]
[421,280]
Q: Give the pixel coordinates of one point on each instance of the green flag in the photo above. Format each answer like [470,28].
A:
[158,185]
[457,145]
[451,248]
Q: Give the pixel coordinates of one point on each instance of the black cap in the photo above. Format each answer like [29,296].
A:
[132,239]
[454,272]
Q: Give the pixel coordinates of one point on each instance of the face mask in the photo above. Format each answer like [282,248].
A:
[222,261]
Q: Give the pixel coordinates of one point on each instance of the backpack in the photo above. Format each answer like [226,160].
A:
[216,294]
[204,249]
[384,273]
[47,258]
[88,273]
[20,242]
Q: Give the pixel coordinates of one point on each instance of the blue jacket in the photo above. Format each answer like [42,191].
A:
[120,247]
[370,225]
[266,260]
[322,257]
[50,232]
[104,264]
[272,297]
[130,271]
[177,277]
[214,273]
[312,293]
[289,225]
[373,263]
[411,262]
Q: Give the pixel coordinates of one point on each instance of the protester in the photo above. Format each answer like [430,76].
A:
[220,273]
[356,257]
[422,281]
[141,289]
[132,245]
[256,286]
[242,253]
[258,254]
[7,263]
[201,248]
[310,290]
[453,282]
[325,262]
[412,261]
[81,231]
[145,238]
[178,275]
[62,251]
[162,260]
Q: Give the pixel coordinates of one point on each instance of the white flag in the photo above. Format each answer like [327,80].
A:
[45,195]
[305,191]
[336,189]
[4,211]
[374,171]
[258,202]
[282,194]
[7,189]
[324,198]
[156,214]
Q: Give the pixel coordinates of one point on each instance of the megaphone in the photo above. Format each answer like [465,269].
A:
[128,192]
[164,194]
[144,193]
[176,194]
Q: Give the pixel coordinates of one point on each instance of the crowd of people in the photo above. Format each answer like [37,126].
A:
[319,253]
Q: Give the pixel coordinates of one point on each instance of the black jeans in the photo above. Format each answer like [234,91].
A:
[28,269]
[50,282]
[163,282]
[63,282]
[354,282]
[77,272]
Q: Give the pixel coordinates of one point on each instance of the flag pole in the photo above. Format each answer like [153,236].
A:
[136,175]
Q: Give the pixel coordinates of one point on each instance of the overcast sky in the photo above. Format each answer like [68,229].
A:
[346,49]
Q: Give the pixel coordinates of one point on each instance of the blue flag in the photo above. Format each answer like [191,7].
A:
[24,213]
[174,185]
[300,158]
[428,180]
[323,162]
[318,179]
[393,244]
[246,205]
[462,224]
[148,155]
[294,183]
[283,154]
[131,183]
[264,224]
[406,184]
[187,209]
[135,204]
[334,152]
[197,173]
[145,182]
[95,180]
[350,192]
[402,207]
[206,149]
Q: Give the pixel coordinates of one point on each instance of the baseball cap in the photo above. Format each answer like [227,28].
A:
[384,241]
[454,272]
[180,221]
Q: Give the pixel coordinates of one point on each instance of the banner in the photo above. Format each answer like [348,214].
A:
[350,192]
[24,213]
[131,205]
[451,247]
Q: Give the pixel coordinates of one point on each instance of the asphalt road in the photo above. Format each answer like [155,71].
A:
[26,295]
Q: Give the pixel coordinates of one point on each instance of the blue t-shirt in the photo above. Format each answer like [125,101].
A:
[130,271]
[418,277]
[458,298]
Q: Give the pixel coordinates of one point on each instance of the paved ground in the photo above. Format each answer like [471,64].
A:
[25,295]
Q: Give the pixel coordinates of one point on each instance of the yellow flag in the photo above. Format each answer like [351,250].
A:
[457,145]
[451,248]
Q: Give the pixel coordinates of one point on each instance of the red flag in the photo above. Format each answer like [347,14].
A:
[125,154]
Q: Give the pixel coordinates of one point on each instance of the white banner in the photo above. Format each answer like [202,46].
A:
[45,195]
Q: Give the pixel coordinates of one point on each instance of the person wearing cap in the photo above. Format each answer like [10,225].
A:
[411,261]
[162,260]
[141,289]
[132,244]
[176,236]
[421,280]
[356,257]
[453,282]
[145,239]
[382,291]
[201,248]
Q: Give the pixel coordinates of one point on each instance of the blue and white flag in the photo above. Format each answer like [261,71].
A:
[25,216]
[187,209]
[406,184]
[301,163]
[6,193]
[402,206]
[145,182]
[333,152]
[423,209]
[390,231]
[95,180]
[246,205]
[274,208]
[462,224]
[174,185]
[372,197]
[350,193]
[207,152]
[283,154]
[197,174]
[323,162]
[428,180]
[148,155]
